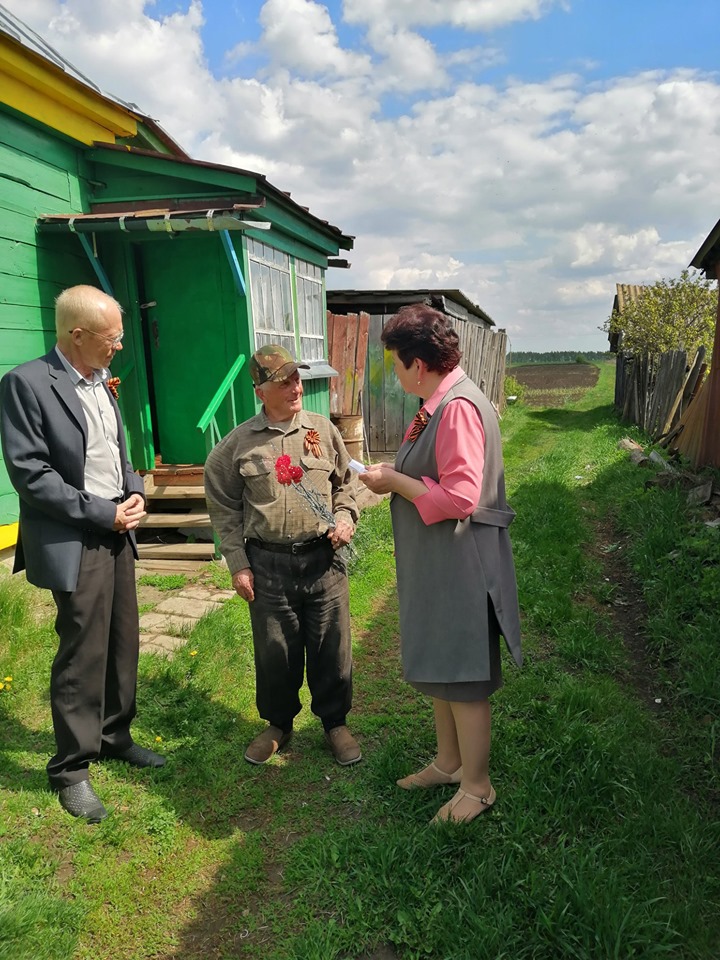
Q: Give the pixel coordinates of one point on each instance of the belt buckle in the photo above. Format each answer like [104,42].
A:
[295,548]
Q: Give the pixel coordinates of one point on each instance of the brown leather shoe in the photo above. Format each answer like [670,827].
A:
[344,746]
[266,744]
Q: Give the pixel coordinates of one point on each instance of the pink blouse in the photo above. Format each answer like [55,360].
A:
[460,455]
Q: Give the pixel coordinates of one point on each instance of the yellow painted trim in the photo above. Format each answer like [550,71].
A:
[56,115]
[8,535]
[35,87]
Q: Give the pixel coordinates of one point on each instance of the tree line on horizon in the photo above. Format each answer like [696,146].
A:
[521,357]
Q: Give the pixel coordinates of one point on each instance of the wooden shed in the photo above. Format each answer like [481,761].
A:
[208,261]
[386,408]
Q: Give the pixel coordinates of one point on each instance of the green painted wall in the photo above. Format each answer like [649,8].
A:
[196,331]
[316,396]
[39,173]
[118,259]
[175,354]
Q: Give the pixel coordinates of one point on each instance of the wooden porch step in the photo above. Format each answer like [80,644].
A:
[176,473]
[170,566]
[173,492]
[176,551]
[195,518]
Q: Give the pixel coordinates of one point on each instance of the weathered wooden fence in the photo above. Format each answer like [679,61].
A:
[347,353]
[654,390]
[484,352]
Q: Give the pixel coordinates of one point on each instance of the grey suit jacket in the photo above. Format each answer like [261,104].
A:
[44,439]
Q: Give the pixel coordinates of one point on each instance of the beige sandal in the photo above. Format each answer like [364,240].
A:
[483,804]
[431,776]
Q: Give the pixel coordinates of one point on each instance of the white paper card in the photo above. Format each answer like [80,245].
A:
[357,466]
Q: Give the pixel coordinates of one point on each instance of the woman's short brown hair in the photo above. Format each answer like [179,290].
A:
[420,332]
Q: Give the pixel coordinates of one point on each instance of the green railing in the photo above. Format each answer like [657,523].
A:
[208,424]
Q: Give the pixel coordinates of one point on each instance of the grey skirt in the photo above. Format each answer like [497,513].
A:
[472,690]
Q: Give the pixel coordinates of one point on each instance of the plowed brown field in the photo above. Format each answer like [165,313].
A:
[554,384]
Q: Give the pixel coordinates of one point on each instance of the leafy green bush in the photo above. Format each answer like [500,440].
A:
[513,388]
[676,314]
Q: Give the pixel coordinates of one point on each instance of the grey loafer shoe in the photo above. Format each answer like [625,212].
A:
[80,800]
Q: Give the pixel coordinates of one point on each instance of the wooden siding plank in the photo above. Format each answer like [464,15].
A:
[347,372]
[331,329]
[38,143]
[28,291]
[9,506]
[347,353]
[360,365]
[375,386]
[17,224]
[23,197]
[24,345]
[37,174]
[394,403]
[23,317]
[56,265]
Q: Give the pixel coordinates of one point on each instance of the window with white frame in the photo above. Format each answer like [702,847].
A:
[271,283]
[308,279]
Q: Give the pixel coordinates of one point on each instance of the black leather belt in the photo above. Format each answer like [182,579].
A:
[302,547]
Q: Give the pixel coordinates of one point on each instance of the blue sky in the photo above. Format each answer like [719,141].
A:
[532,153]
[615,36]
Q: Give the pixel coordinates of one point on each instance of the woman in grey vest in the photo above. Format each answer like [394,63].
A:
[455,572]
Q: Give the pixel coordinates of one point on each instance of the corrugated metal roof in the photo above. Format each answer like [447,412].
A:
[344,240]
[626,293]
[709,253]
[371,300]
[21,33]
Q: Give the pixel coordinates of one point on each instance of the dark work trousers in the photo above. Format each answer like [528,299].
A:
[301,616]
[94,674]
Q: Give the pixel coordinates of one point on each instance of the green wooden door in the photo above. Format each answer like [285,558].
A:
[192,336]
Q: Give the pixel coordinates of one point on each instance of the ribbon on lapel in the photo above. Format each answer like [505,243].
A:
[420,421]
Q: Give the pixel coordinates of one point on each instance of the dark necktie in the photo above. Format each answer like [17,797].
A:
[420,421]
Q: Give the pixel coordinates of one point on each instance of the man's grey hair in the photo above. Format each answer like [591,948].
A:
[82,306]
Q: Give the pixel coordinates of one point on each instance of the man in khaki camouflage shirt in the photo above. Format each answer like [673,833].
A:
[282,554]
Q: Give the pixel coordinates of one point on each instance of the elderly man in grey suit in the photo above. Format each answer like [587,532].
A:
[64,449]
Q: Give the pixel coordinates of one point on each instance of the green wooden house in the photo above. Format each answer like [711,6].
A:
[208,261]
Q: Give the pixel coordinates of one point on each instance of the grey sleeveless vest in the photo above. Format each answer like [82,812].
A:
[446,570]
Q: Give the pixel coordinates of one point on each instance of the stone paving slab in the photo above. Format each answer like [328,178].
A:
[220,596]
[197,591]
[187,607]
[159,623]
[160,643]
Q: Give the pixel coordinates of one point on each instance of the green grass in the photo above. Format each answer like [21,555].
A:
[604,839]
[163,581]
